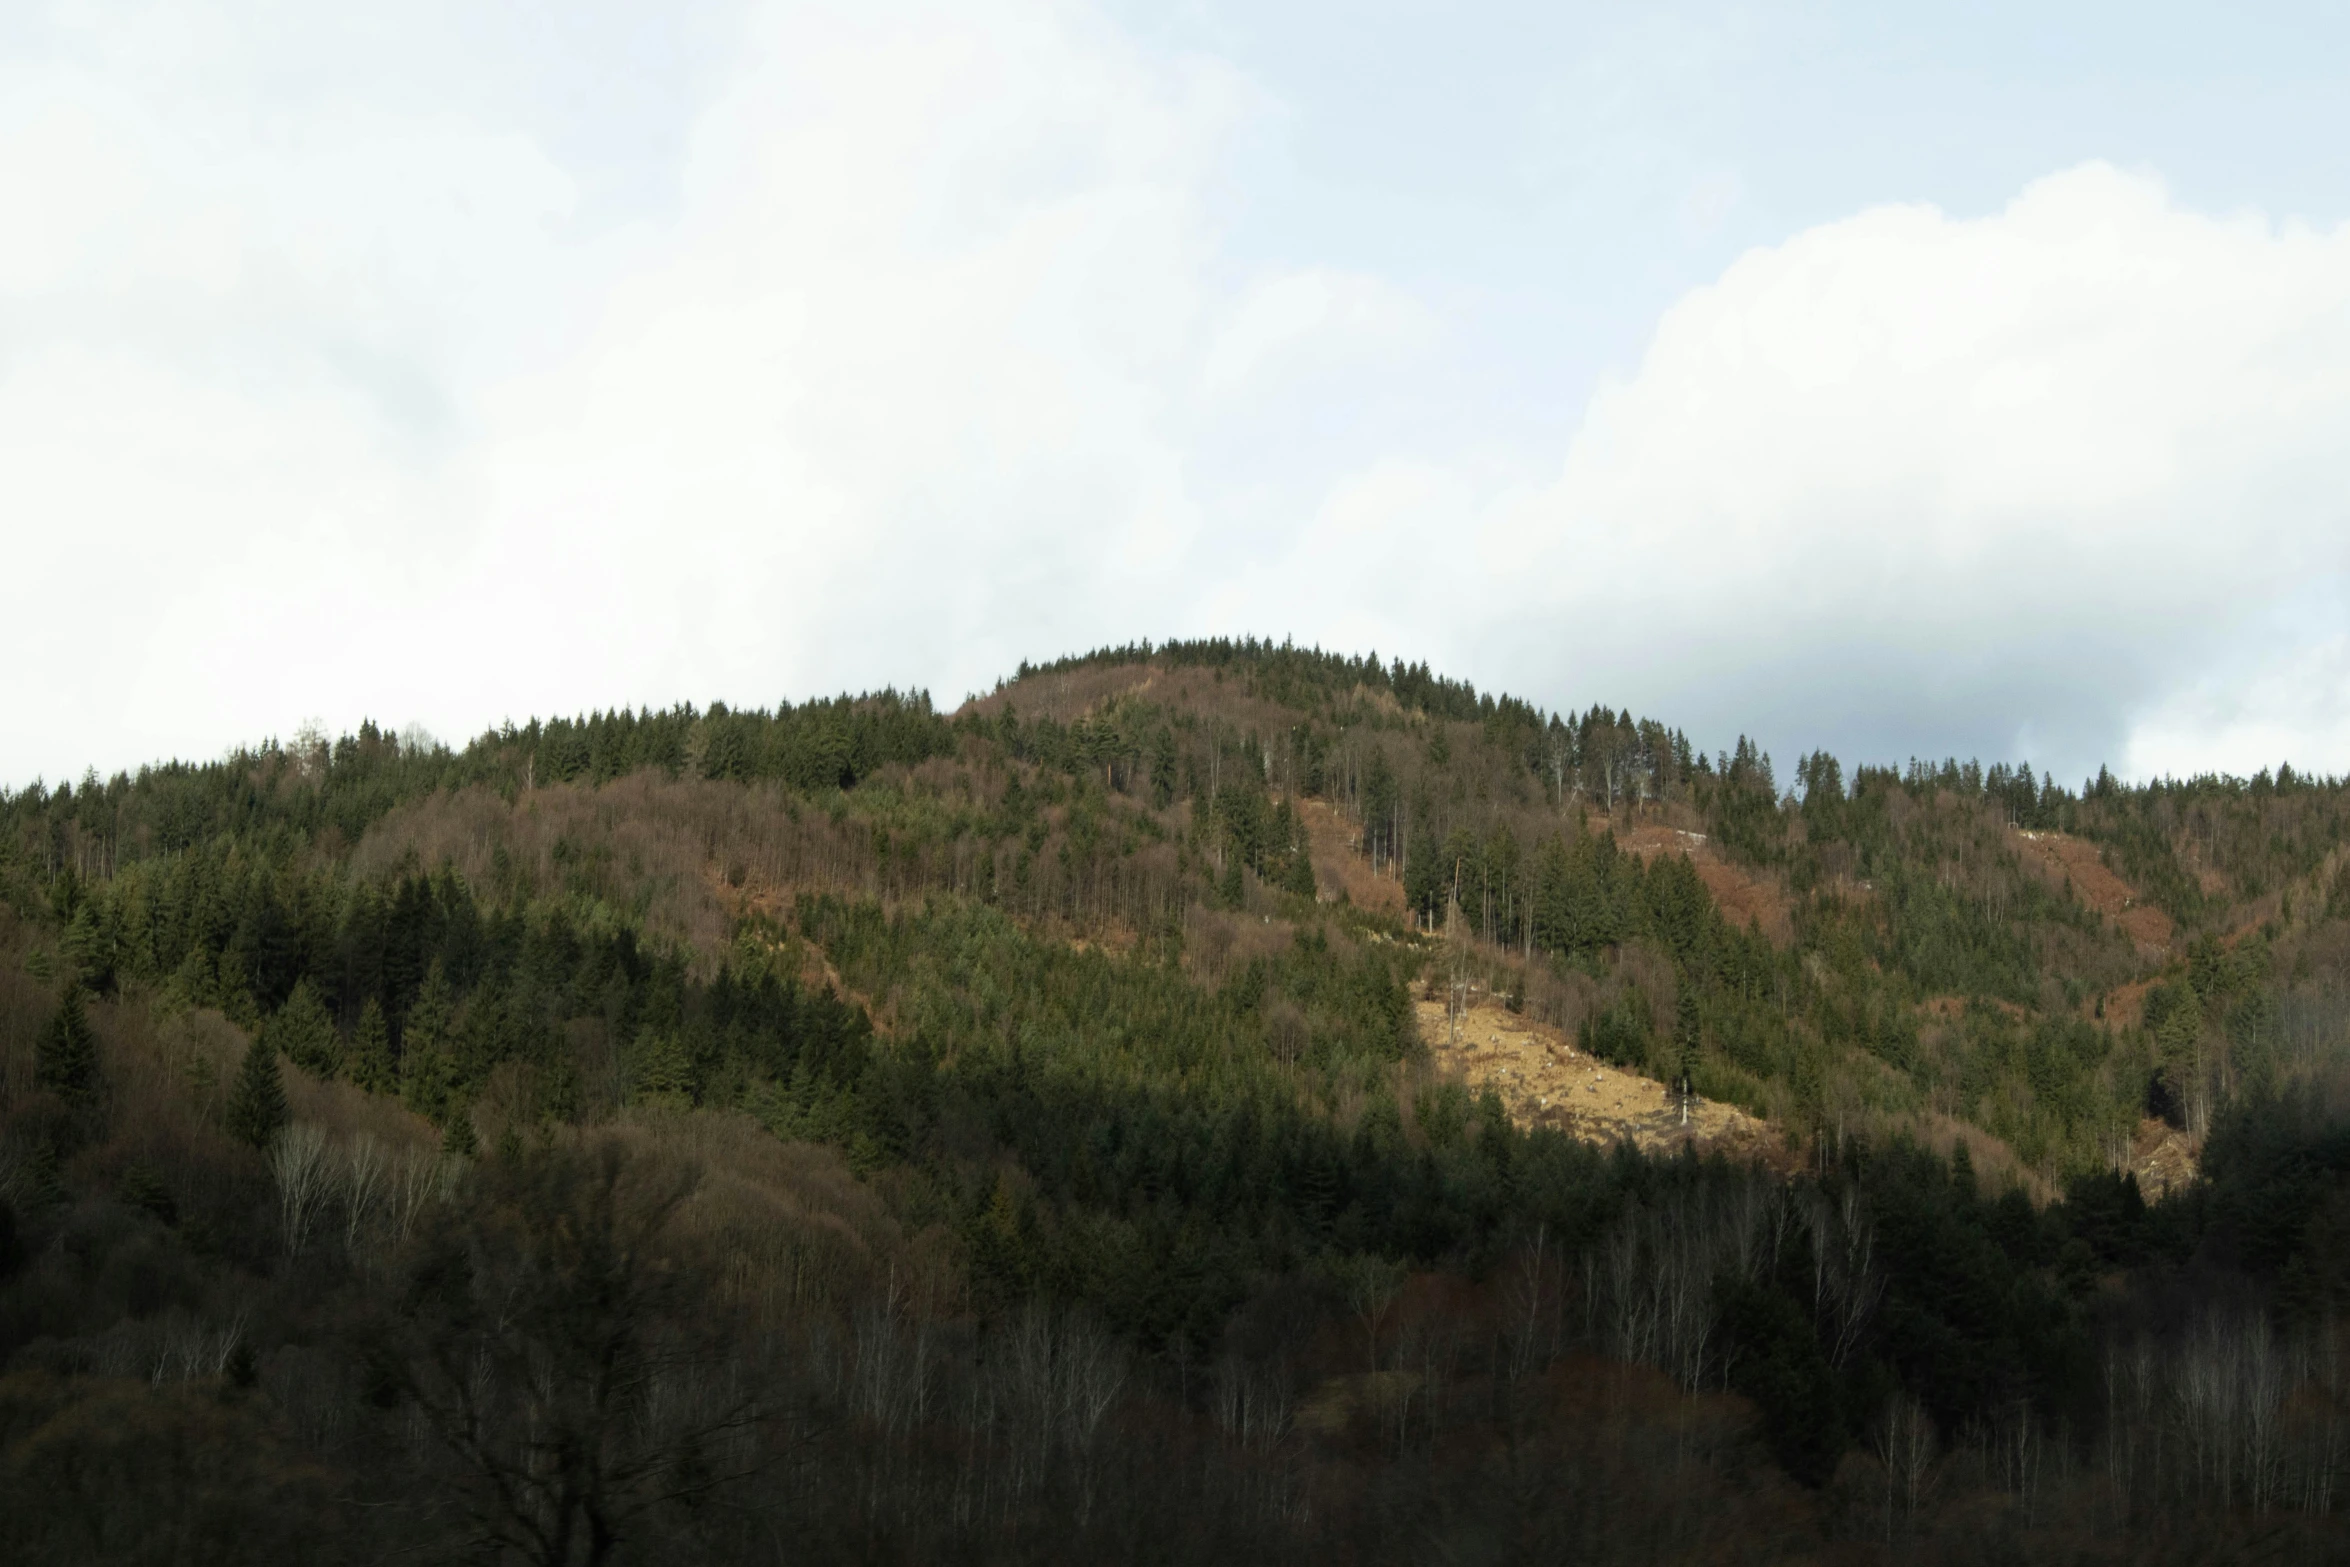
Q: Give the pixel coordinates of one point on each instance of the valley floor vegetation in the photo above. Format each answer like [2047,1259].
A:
[858,1132]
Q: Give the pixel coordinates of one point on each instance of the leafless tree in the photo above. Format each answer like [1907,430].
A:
[894,1366]
[1904,1439]
[1650,1286]
[562,1352]
[298,1163]
[417,1179]
[1255,1407]
[191,1350]
[1846,1284]
[360,1174]
[1055,1378]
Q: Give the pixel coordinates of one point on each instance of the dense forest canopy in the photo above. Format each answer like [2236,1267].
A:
[858,1130]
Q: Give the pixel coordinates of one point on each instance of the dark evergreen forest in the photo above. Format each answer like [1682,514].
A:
[853,1131]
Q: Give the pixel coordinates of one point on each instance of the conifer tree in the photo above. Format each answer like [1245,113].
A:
[371,1051]
[257,1107]
[303,1033]
[1962,1171]
[65,1057]
[142,1187]
[1163,768]
[1688,1035]
[40,1181]
[1300,876]
[193,983]
[428,1065]
[662,1071]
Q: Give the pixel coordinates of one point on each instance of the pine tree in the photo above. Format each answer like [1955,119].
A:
[428,1064]
[371,1052]
[142,1188]
[303,1033]
[457,1138]
[193,983]
[1000,1251]
[1163,768]
[257,1107]
[40,1180]
[661,1070]
[1300,876]
[1688,1037]
[65,1057]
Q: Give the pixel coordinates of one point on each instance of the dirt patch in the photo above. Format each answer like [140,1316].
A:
[1949,1009]
[2162,1158]
[2125,1005]
[2061,857]
[1336,846]
[1543,1080]
[1116,941]
[1743,897]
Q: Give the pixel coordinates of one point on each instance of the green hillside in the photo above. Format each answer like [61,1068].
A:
[853,1130]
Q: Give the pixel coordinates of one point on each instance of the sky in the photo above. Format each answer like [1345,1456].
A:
[1904,381]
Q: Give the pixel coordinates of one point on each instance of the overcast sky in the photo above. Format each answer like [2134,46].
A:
[1830,373]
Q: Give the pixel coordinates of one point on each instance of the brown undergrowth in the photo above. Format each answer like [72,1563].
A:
[2066,861]
[1744,895]
[1339,865]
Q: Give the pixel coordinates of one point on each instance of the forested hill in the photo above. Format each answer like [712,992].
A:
[1065,1128]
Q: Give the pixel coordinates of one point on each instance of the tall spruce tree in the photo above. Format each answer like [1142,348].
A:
[257,1106]
[429,1077]
[371,1052]
[65,1057]
[303,1033]
[1163,775]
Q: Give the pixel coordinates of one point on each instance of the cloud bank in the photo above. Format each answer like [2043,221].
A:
[923,353]
[2068,477]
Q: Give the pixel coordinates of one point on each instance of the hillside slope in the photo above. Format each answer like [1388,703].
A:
[1230,1050]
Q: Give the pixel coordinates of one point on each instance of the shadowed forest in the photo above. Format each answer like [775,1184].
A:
[858,1132]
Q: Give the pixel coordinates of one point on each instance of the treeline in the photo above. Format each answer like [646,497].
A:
[1304,678]
[2199,847]
[313,787]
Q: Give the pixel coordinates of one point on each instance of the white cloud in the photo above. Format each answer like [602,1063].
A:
[1313,319]
[1915,480]
[901,402]
[325,391]
[897,390]
[2288,701]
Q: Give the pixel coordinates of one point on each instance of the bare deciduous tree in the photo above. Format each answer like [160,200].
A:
[417,1179]
[564,1354]
[298,1163]
[1904,1439]
[359,1173]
